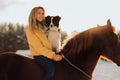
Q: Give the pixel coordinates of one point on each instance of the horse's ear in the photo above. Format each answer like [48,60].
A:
[109,25]
[98,25]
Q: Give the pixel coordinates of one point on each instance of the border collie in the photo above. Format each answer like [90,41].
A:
[53,32]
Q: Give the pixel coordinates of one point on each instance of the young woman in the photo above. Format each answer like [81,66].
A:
[38,42]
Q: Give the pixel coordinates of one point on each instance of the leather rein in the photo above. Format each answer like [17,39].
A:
[87,75]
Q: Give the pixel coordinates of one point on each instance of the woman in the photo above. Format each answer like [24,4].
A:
[38,42]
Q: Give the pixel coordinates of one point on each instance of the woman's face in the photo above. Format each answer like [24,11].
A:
[40,15]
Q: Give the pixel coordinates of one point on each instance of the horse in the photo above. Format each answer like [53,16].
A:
[80,56]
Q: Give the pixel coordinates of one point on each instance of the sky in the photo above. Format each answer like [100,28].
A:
[76,15]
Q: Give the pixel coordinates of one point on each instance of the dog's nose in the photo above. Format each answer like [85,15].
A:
[51,25]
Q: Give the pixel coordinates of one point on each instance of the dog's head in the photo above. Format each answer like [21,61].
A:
[52,21]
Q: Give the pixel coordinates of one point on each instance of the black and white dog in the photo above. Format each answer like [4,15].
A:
[53,32]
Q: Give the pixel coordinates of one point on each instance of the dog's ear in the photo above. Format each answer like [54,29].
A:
[47,20]
[47,17]
[58,18]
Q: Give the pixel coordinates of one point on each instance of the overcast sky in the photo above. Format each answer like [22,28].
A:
[76,15]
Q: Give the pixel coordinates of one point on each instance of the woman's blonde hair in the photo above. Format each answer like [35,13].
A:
[32,18]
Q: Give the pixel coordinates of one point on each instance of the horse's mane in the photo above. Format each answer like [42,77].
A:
[81,41]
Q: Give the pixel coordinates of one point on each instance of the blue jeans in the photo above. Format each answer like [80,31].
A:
[48,65]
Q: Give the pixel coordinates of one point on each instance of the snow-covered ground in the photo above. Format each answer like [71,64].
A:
[106,71]
[103,71]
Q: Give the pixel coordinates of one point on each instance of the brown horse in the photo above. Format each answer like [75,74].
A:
[81,52]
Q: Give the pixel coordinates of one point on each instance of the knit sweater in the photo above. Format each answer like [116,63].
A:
[38,43]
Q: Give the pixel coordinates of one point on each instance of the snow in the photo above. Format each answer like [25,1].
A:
[24,52]
[104,70]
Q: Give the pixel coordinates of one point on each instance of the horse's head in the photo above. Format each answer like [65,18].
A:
[111,46]
[100,39]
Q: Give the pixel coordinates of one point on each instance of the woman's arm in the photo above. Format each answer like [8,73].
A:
[37,47]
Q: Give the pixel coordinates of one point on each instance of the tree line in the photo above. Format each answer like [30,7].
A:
[12,37]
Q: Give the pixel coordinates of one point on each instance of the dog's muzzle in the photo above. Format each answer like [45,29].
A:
[51,24]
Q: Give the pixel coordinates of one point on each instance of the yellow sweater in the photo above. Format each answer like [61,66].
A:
[38,43]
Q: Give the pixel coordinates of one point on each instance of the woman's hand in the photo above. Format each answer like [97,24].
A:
[57,57]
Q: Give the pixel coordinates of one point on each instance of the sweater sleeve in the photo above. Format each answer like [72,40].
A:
[36,46]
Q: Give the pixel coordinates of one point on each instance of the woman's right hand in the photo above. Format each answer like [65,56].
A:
[57,57]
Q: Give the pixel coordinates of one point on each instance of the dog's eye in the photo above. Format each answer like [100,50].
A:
[55,22]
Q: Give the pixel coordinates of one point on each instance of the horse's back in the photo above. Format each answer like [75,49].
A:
[18,67]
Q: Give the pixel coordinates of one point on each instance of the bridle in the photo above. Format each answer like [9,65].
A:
[87,75]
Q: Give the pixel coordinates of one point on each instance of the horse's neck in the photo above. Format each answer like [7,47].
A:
[91,61]
[86,62]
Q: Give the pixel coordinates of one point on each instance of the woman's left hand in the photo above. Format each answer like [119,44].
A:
[57,57]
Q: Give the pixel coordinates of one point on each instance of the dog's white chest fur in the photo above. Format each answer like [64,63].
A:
[54,37]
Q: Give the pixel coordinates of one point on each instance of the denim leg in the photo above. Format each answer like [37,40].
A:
[48,65]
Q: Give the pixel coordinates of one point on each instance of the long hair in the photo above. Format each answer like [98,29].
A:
[32,17]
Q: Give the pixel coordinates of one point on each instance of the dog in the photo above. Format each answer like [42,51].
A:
[53,33]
